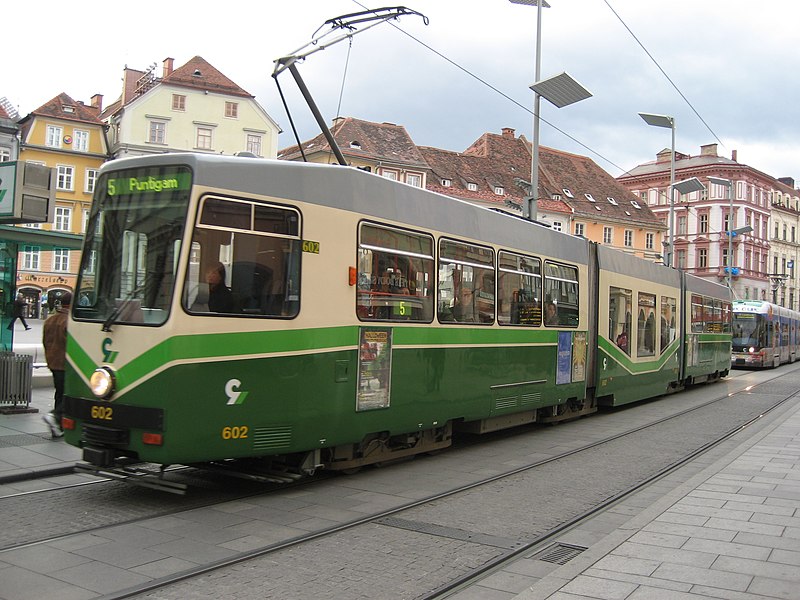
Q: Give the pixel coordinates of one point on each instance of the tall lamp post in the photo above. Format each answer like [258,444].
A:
[560,90]
[669,123]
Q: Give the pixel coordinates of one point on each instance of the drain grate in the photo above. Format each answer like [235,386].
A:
[559,554]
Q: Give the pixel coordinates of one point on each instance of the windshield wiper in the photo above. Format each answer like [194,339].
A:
[112,318]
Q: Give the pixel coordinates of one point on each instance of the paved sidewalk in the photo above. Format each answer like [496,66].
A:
[732,531]
[26,447]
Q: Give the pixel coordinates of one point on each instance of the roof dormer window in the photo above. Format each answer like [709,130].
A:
[498,190]
[612,201]
[355,144]
[447,182]
[67,108]
[590,198]
[635,204]
[472,187]
[556,196]
[598,208]
[567,193]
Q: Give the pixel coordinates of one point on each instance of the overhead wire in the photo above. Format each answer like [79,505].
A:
[530,111]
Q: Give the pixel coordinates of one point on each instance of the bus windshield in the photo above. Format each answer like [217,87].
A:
[750,330]
[133,240]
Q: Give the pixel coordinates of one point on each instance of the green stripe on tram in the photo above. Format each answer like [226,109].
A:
[189,348]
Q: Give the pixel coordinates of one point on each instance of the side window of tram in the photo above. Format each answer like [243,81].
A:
[668,329]
[244,260]
[646,325]
[395,275]
[466,283]
[519,290]
[697,314]
[619,317]
[560,295]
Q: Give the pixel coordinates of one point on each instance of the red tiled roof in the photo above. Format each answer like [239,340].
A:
[364,140]
[64,107]
[199,73]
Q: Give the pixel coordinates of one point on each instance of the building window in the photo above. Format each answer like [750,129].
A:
[681,225]
[472,187]
[703,224]
[5,155]
[178,102]
[30,257]
[91,180]
[54,134]
[414,179]
[63,218]
[557,225]
[579,229]
[389,174]
[157,133]
[80,140]
[203,138]
[65,175]
[232,110]
[608,235]
[649,241]
[84,221]
[628,238]
[446,183]
[702,258]
[498,189]
[254,144]
[61,259]
[680,257]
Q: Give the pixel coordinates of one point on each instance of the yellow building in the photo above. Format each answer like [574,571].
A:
[68,136]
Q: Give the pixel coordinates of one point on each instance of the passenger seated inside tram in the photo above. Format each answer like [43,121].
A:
[220,297]
[550,314]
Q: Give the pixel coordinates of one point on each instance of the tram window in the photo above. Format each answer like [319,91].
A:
[697,314]
[561,293]
[619,317]
[646,330]
[726,317]
[236,269]
[668,310]
[466,283]
[709,316]
[395,275]
[519,290]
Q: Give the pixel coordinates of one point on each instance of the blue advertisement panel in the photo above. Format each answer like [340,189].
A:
[564,368]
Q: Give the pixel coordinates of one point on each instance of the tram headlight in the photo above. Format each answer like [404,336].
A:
[102,382]
[752,349]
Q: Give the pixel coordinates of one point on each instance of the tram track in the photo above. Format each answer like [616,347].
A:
[380,519]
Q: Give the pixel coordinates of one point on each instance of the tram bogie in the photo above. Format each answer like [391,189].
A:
[309,316]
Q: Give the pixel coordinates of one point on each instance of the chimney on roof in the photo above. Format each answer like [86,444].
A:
[708,150]
[508,132]
[735,155]
[787,181]
[97,102]
[168,63]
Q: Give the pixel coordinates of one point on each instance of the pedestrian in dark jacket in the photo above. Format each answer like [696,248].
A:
[18,312]
[54,338]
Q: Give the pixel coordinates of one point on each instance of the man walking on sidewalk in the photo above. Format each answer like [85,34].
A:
[54,338]
[18,312]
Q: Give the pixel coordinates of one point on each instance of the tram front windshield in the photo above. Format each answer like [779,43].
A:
[132,245]
[750,330]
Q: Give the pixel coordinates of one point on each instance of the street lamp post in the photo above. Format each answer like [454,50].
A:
[560,90]
[669,123]
[529,208]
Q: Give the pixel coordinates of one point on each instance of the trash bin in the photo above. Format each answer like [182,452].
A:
[16,380]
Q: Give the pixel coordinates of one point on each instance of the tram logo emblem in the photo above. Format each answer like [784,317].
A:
[233,393]
[109,355]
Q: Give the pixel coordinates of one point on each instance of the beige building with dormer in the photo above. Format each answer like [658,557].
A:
[194,108]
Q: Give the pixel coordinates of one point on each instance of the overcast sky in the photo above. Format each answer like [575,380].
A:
[734,64]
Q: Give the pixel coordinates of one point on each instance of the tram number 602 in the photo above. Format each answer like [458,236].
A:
[235,433]
[104,413]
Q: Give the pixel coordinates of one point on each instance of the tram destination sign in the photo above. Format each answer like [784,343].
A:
[149,184]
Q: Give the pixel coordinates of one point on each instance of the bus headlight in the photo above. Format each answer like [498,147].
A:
[102,382]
